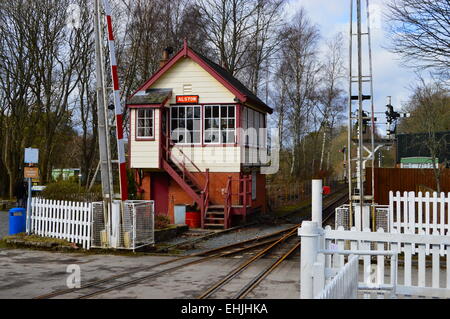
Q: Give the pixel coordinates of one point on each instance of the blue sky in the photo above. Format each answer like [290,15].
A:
[390,78]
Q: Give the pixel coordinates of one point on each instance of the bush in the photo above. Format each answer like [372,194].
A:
[161,222]
[70,191]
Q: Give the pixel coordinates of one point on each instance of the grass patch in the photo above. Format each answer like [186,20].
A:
[36,239]
[290,209]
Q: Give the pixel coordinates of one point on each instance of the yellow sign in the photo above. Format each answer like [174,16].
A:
[31,172]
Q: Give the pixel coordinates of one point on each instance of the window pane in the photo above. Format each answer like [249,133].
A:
[182,123]
[215,123]
[174,112]
[207,136]
[230,137]
[231,124]
[208,124]
[147,132]
[197,125]
[190,125]
[140,132]
[181,112]
[174,124]
[212,137]
[208,112]
[231,111]
[148,113]
[223,111]
[148,123]
[181,136]
[216,111]
[196,137]
[190,112]
[175,135]
[215,137]
[141,113]
[141,123]
[224,136]
[197,113]
[224,124]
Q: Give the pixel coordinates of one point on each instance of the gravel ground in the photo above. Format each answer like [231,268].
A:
[187,236]
[237,236]
[4,224]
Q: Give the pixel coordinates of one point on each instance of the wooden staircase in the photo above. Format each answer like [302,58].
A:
[215,217]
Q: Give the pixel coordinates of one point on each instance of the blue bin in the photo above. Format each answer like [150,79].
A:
[17,221]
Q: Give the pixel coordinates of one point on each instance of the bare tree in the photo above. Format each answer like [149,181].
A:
[420,32]
[17,106]
[264,42]
[86,102]
[56,55]
[229,30]
[331,94]
[300,59]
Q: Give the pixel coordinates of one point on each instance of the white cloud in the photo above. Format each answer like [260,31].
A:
[390,78]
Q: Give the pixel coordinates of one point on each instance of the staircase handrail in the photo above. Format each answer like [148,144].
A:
[184,170]
[228,202]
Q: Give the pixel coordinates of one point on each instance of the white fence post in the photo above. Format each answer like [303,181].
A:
[310,233]
[316,204]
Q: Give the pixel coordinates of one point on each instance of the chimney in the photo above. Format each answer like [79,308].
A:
[165,56]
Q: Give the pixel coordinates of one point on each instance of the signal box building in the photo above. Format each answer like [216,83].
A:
[197,135]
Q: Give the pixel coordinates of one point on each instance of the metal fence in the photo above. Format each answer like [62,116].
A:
[138,224]
[135,229]
[342,217]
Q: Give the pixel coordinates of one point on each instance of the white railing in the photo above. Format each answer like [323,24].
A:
[324,258]
[61,219]
[345,284]
[411,213]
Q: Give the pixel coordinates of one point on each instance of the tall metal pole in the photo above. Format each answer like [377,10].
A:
[372,106]
[350,128]
[103,128]
[360,109]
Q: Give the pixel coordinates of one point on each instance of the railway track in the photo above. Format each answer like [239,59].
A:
[139,274]
[285,240]
[289,249]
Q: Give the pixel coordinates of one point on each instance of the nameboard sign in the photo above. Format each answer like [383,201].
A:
[31,172]
[187,99]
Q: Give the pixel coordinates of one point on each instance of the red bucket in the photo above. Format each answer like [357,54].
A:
[193,219]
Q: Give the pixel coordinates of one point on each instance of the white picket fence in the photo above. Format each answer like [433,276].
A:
[344,285]
[412,277]
[411,213]
[62,219]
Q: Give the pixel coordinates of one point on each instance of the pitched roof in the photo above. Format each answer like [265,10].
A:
[219,73]
[151,96]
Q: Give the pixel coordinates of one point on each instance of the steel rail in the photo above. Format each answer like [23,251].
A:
[133,271]
[243,266]
[263,274]
[139,279]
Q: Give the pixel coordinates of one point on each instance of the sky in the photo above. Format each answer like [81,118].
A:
[390,78]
